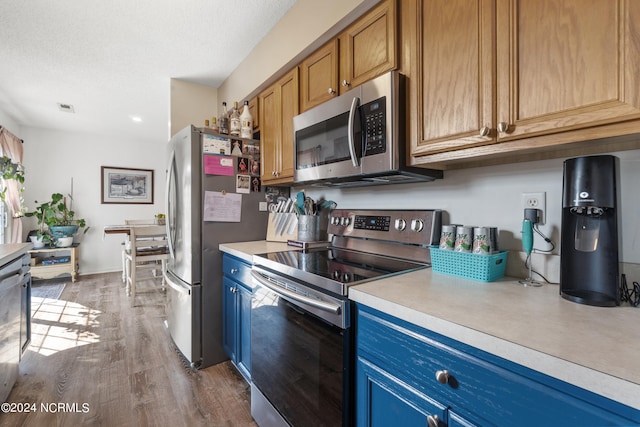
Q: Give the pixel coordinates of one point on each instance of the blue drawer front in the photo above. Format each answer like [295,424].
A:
[237,269]
[478,388]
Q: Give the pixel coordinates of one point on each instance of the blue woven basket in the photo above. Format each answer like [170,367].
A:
[484,268]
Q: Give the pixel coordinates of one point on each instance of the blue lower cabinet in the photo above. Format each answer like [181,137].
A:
[236,313]
[410,375]
[383,400]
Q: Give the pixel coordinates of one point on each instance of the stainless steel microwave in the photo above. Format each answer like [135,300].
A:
[357,138]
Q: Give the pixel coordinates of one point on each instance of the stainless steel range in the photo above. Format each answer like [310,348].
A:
[302,342]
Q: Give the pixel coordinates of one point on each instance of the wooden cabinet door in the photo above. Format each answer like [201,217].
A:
[319,76]
[368,48]
[254,109]
[269,133]
[278,105]
[566,64]
[289,108]
[453,75]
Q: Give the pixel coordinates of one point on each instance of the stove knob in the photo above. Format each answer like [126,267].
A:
[336,274]
[401,224]
[346,278]
[417,225]
[345,221]
[335,220]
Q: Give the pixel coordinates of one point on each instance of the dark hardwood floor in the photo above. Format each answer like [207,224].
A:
[95,361]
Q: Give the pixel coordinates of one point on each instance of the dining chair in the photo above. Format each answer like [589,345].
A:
[148,252]
[126,244]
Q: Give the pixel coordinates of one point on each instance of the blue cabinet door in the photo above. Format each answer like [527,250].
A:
[383,400]
[229,314]
[236,312]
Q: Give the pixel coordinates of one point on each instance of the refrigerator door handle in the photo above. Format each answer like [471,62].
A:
[176,286]
[168,221]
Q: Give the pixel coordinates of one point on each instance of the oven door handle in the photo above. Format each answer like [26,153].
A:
[322,305]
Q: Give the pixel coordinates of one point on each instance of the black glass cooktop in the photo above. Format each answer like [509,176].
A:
[336,267]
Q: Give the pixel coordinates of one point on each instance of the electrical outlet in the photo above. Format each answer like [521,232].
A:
[536,201]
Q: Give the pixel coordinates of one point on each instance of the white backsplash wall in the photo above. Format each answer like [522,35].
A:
[491,196]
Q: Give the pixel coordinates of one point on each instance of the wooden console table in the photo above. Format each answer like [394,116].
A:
[54,270]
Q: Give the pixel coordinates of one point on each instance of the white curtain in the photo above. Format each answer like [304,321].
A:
[11,146]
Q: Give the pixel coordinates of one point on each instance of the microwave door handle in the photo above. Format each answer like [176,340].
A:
[351,132]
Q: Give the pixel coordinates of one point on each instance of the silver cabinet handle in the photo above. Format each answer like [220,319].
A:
[503,127]
[345,83]
[331,91]
[442,376]
[485,131]
[234,271]
[433,421]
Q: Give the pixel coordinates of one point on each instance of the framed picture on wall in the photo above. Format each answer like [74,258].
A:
[126,185]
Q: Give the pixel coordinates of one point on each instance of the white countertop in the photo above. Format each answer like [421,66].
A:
[596,348]
[11,251]
[246,250]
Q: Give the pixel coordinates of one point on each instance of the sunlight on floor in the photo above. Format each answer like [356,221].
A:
[58,325]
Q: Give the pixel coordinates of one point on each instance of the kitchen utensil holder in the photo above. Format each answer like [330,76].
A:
[308,228]
[484,268]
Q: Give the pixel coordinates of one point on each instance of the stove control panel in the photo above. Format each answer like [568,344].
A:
[419,227]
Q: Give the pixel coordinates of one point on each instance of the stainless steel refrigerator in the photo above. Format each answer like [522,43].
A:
[196,183]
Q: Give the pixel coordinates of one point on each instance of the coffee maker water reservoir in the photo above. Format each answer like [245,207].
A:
[589,237]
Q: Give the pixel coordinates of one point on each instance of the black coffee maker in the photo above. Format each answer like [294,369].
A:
[589,240]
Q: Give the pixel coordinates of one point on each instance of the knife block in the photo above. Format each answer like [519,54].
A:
[282,227]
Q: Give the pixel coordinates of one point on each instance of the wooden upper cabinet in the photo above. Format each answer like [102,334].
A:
[453,73]
[319,76]
[368,48]
[289,108]
[496,71]
[365,50]
[254,109]
[565,65]
[278,106]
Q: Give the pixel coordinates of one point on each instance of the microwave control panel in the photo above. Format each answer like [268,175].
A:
[374,115]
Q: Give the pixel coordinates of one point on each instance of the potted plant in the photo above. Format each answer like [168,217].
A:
[43,236]
[160,219]
[59,218]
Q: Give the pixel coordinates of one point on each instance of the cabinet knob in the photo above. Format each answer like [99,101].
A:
[503,127]
[485,131]
[234,271]
[331,91]
[442,376]
[346,83]
[273,173]
[433,421]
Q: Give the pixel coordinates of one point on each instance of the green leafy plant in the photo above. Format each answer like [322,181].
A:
[10,170]
[55,212]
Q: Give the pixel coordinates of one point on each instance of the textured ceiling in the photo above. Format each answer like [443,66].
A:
[114,59]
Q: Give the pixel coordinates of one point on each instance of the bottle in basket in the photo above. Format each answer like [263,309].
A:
[464,239]
[481,241]
[448,237]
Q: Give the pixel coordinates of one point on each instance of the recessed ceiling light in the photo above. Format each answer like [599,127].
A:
[66,108]
[136,119]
